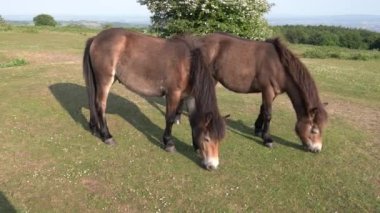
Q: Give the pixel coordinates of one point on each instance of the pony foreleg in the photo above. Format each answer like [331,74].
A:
[178,112]
[172,104]
[259,122]
[268,97]
[190,104]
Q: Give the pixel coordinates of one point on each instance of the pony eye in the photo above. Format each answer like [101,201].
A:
[207,139]
[315,130]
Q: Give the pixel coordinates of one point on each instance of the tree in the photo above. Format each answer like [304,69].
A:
[2,21]
[44,20]
[375,44]
[240,17]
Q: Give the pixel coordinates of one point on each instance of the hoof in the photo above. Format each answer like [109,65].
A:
[110,141]
[170,148]
[269,145]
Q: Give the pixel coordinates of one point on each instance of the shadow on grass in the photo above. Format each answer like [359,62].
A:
[5,205]
[238,127]
[73,98]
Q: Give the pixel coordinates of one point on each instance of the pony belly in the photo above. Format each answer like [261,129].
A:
[144,87]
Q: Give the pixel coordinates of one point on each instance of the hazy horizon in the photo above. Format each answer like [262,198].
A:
[286,8]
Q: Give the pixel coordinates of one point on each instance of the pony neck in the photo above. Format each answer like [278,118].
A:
[299,104]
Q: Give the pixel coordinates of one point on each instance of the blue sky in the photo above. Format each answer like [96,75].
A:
[132,8]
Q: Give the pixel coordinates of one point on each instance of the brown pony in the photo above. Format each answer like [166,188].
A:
[247,66]
[153,66]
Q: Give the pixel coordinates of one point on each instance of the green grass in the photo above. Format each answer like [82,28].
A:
[14,63]
[51,163]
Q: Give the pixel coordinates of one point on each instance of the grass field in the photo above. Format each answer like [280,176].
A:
[51,163]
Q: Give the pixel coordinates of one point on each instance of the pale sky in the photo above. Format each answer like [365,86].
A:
[132,8]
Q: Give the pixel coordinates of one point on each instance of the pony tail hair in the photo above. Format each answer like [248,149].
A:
[88,75]
[299,73]
[203,91]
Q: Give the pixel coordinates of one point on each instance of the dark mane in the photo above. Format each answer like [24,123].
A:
[203,90]
[203,87]
[236,37]
[190,41]
[299,73]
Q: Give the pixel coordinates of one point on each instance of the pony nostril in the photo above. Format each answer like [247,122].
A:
[210,167]
[211,163]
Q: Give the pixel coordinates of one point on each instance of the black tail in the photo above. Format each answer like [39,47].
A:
[203,90]
[299,73]
[88,75]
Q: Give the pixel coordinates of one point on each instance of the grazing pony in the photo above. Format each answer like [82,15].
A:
[152,66]
[247,66]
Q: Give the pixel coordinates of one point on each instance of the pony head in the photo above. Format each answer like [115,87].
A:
[309,128]
[207,136]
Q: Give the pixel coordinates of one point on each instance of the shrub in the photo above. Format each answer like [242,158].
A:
[14,63]
[243,17]
[330,36]
[375,44]
[340,53]
[44,20]
[2,21]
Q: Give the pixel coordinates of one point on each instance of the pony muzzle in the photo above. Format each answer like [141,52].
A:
[211,163]
[314,147]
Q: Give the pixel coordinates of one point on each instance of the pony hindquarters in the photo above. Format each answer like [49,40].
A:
[97,97]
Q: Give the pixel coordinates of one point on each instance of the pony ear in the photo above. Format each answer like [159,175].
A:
[226,116]
[208,118]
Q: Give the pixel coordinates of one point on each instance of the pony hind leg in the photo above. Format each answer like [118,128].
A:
[93,124]
[104,87]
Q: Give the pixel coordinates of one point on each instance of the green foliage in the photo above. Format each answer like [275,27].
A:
[14,63]
[329,36]
[2,20]
[243,17]
[44,20]
[107,26]
[375,44]
[324,52]
[4,26]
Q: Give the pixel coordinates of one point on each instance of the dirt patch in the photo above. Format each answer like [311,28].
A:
[46,57]
[93,186]
[96,187]
[363,117]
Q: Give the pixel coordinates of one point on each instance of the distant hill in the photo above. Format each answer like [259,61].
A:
[89,21]
[368,22]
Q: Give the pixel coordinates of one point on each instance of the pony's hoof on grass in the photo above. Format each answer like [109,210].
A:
[110,141]
[269,145]
[170,148]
